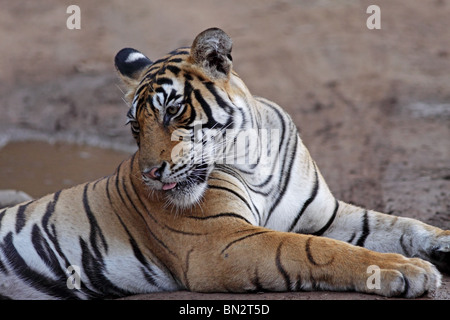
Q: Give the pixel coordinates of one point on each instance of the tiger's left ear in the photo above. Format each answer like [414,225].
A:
[131,65]
[211,50]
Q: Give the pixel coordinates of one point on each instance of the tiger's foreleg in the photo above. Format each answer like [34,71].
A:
[386,233]
[264,260]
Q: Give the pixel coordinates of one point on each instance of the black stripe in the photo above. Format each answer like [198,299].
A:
[287,178]
[212,88]
[242,238]
[256,282]
[2,214]
[117,180]
[173,96]
[180,51]
[162,103]
[255,188]
[281,269]
[233,192]
[136,251]
[150,276]
[49,212]
[310,256]
[143,106]
[147,271]
[3,269]
[352,237]
[124,186]
[108,194]
[175,60]
[175,70]
[96,231]
[227,170]
[281,116]
[47,254]
[283,136]
[94,269]
[365,230]
[162,80]
[50,231]
[220,215]
[325,227]
[151,71]
[311,198]
[95,183]
[188,76]
[186,269]
[188,89]
[206,108]
[38,281]
[147,213]
[308,251]
[404,246]
[20,217]
[139,91]
[186,233]
[298,284]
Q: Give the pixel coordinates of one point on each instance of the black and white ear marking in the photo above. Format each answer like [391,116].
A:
[211,50]
[130,63]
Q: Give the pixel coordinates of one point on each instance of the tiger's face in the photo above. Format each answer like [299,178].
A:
[180,105]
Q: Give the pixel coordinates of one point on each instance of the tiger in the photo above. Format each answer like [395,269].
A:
[199,207]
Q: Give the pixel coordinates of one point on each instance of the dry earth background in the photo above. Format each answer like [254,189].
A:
[373,106]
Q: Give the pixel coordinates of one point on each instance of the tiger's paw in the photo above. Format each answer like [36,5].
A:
[440,252]
[407,277]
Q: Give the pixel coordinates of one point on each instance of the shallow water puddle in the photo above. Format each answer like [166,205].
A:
[39,168]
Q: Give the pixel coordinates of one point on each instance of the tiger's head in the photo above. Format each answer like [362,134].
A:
[179,106]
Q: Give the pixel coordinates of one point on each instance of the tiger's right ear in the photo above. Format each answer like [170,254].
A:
[130,65]
[211,50]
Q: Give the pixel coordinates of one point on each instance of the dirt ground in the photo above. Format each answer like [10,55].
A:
[373,106]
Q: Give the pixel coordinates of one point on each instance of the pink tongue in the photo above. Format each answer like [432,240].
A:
[169,186]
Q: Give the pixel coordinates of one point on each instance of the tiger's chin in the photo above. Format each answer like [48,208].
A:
[184,193]
[181,195]
[185,196]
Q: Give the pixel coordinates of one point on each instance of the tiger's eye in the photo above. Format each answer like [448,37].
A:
[173,110]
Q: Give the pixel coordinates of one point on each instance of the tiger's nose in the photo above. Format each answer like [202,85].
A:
[154,173]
